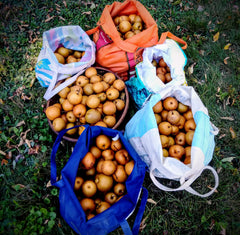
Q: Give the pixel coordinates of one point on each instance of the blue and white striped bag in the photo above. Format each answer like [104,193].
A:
[142,132]
[49,71]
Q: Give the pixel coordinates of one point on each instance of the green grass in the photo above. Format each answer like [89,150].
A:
[27,205]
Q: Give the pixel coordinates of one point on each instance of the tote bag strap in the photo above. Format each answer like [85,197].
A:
[54,152]
[168,34]
[92,31]
[124,224]
[185,185]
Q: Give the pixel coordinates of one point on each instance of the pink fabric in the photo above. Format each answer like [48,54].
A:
[103,39]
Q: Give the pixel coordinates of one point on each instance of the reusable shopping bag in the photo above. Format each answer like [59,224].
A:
[175,58]
[121,56]
[142,132]
[49,71]
[119,212]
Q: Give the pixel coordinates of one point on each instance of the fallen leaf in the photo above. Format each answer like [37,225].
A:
[49,184]
[190,68]
[225,60]
[24,97]
[227,46]
[202,52]
[200,8]
[1,101]
[92,6]
[32,82]
[49,18]
[61,18]
[216,36]
[87,13]
[143,224]
[23,138]
[233,133]
[212,189]
[151,201]
[18,186]
[34,150]
[227,159]
[223,231]
[64,3]
[4,162]
[221,136]
[1,152]
[20,123]
[227,118]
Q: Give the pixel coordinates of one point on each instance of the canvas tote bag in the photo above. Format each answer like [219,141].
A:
[121,56]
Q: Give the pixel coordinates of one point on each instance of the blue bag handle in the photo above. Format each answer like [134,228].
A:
[54,151]
[124,224]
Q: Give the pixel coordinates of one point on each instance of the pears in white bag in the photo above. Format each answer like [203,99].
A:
[176,128]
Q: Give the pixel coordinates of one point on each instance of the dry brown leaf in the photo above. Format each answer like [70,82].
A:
[227,118]
[34,150]
[212,189]
[32,82]
[233,133]
[49,184]
[24,97]
[216,36]
[4,162]
[61,18]
[143,224]
[2,153]
[190,68]
[20,123]
[221,136]
[225,60]
[87,13]
[151,201]
[64,3]
[1,101]
[49,18]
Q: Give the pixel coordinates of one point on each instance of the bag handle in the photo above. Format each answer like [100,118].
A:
[92,31]
[185,185]
[124,224]
[51,91]
[54,151]
[168,34]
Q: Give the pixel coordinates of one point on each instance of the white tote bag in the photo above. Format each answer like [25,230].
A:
[49,71]
[142,132]
[147,82]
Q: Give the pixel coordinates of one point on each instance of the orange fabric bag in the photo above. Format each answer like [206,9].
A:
[121,56]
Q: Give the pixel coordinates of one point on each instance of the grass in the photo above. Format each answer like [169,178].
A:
[27,205]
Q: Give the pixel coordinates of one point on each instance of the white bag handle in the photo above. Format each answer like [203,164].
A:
[51,91]
[185,185]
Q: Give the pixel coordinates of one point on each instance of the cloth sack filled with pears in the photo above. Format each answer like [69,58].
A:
[66,52]
[99,190]
[177,138]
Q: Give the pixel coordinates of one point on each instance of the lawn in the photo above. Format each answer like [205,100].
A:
[28,204]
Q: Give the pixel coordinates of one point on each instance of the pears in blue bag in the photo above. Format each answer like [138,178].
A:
[101,176]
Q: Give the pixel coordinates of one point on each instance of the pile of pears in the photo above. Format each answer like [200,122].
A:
[92,99]
[67,56]
[101,176]
[129,25]
[162,70]
[176,128]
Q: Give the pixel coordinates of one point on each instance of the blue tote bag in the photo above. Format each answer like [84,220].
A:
[118,213]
